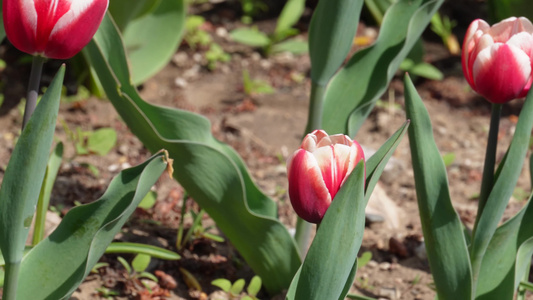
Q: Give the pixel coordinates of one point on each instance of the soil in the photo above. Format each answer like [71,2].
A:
[265,129]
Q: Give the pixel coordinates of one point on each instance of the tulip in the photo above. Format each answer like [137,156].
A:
[497,60]
[318,169]
[52,28]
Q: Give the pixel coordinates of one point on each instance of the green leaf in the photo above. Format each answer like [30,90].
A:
[125,264]
[353,91]
[54,162]
[255,286]
[339,236]
[377,162]
[210,171]
[136,248]
[293,46]
[140,262]
[57,265]
[378,8]
[149,200]
[222,283]
[331,34]
[423,70]
[25,172]
[124,11]
[291,13]
[506,178]
[237,286]
[250,36]
[102,141]
[443,233]
[364,259]
[152,39]
[506,259]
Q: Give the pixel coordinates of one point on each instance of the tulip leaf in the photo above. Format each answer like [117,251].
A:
[505,181]
[52,168]
[330,263]
[25,172]
[354,90]
[56,266]
[331,33]
[443,231]
[507,257]
[124,11]
[153,38]
[211,172]
[377,162]
[136,248]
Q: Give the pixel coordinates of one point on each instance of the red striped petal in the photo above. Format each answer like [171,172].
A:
[501,72]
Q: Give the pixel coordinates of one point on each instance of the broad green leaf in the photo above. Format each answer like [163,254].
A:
[136,248]
[353,91]
[25,172]
[152,39]
[140,262]
[222,283]
[293,46]
[443,233]
[251,37]
[506,259]
[330,262]
[291,13]
[506,178]
[331,33]
[54,162]
[102,141]
[124,11]
[210,171]
[56,266]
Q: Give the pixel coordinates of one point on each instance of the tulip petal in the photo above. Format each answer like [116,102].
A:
[501,72]
[473,34]
[83,19]
[326,160]
[53,28]
[307,191]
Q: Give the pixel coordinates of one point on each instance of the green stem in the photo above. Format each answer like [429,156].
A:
[314,121]
[316,105]
[11,280]
[490,161]
[33,88]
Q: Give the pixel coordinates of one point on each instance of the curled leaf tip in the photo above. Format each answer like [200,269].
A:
[169,161]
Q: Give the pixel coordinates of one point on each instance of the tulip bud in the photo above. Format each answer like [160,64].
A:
[497,61]
[318,169]
[52,28]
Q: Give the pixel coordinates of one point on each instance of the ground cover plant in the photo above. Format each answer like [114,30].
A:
[239,224]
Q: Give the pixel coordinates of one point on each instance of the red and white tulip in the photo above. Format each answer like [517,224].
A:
[318,169]
[497,60]
[52,28]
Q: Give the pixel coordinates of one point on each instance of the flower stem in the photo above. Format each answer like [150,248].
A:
[314,121]
[33,88]
[11,280]
[487,181]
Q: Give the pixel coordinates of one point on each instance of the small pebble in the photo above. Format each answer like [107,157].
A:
[221,32]
[384,266]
